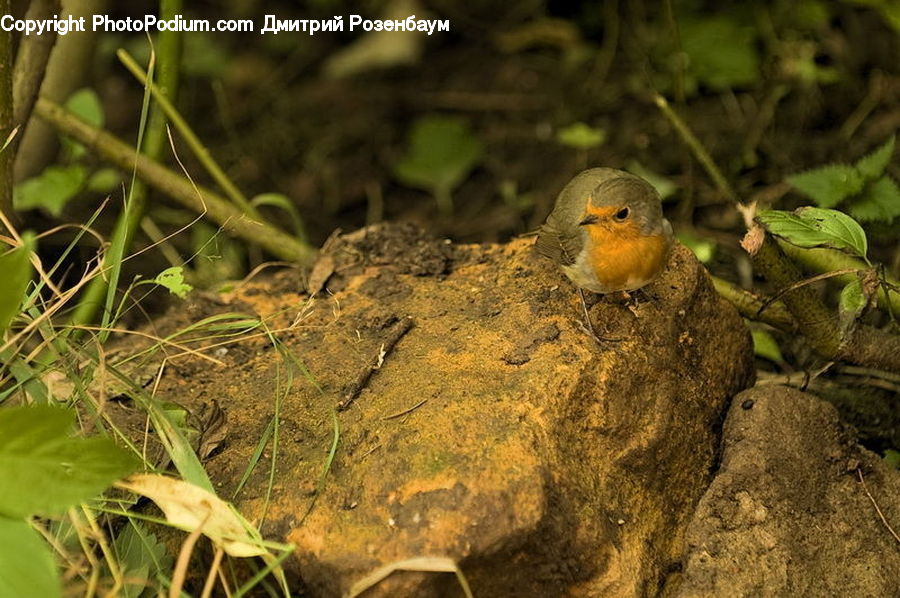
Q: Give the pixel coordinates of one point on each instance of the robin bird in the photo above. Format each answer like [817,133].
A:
[607,232]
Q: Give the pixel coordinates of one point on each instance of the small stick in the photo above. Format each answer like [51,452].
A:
[697,149]
[398,331]
[405,411]
[875,504]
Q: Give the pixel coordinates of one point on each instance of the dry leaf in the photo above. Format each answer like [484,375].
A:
[211,422]
[188,507]
[422,563]
[321,272]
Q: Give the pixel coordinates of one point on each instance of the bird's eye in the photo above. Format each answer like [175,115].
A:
[622,214]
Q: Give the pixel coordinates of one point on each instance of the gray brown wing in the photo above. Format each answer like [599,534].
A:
[555,244]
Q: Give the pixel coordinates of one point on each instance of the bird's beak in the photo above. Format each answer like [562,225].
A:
[589,219]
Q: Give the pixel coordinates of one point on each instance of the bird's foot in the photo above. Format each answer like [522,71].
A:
[588,326]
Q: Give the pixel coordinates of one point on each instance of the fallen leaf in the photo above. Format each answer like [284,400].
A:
[210,420]
[190,507]
[321,272]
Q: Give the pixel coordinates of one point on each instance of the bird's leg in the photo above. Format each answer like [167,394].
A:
[589,326]
[587,314]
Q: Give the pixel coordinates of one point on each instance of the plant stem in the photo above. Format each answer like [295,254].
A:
[197,147]
[6,116]
[867,346]
[444,200]
[697,149]
[749,306]
[817,323]
[151,145]
[31,62]
[827,260]
[194,197]
[67,71]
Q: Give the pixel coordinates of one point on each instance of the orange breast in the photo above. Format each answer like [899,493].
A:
[622,259]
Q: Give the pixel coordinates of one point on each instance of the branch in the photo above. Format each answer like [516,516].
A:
[194,197]
[749,305]
[6,117]
[30,65]
[817,323]
[820,259]
[66,72]
[867,346]
[197,147]
[873,348]
[697,149]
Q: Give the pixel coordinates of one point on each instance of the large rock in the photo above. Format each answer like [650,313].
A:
[787,513]
[496,432]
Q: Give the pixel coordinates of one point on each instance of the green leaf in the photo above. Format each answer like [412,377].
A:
[104,180]
[814,227]
[173,279]
[15,272]
[279,200]
[851,304]
[872,166]
[85,104]
[721,52]
[26,563]
[829,185]
[764,346]
[51,190]
[141,556]
[879,203]
[581,136]
[442,151]
[53,471]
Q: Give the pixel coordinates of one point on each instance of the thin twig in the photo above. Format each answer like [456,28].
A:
[697,148]
[179,574]
[868,104]
[764,117]
[405,411]
[853,370]
[397,332]
[114,569]
[213,571]
[199,150]
[610,43]
[801,283]
[823,259]
[875,504]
